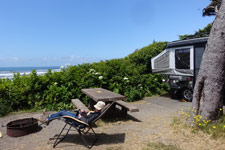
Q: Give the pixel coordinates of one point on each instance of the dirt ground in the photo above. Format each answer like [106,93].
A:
[150,124]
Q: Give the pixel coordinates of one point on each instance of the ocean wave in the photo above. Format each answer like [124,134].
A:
[8,74]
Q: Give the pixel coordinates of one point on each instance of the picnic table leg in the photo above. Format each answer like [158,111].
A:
[111,112]
[123,112]
[91,104]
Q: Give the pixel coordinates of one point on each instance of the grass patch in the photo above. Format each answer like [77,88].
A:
[214,129]
[114,148]
[160,146]
[217,130]
[21,112]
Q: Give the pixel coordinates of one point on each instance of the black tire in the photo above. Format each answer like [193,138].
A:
[172,95]
[187,95]
[175,94]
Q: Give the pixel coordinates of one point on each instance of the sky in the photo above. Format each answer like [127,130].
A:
[59,32]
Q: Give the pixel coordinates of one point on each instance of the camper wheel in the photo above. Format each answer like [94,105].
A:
[187,94]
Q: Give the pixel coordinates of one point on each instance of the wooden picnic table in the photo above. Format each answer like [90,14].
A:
[100,94]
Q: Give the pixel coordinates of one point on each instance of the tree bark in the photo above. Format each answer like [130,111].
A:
[210,82]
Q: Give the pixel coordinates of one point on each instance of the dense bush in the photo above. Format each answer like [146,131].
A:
[142,58]
[130,77]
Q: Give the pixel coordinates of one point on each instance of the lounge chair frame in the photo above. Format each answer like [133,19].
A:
[81,127]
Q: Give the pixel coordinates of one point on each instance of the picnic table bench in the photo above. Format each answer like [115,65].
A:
[79,105]
[100,94]
[127,106]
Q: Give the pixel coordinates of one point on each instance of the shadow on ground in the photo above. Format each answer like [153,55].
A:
[117,115]
[102,139]
[124,118]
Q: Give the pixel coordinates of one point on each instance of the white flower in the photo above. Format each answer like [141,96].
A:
[125,78]
[100,77]
[92,70]
[62,67]
[55,83]
[163,80]
[67,65]
[96,73]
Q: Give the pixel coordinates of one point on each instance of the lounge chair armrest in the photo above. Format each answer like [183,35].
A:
[75,119]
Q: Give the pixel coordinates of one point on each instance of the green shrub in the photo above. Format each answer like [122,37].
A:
[130,76]
[142,58]
[4,107]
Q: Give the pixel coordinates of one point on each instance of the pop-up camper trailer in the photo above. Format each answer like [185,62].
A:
[181,62]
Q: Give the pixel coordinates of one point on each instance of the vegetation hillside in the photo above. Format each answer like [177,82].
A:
[130,76]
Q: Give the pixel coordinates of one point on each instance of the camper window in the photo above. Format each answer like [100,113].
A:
[182,58]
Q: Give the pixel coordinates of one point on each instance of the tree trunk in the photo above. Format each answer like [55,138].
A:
[211,78]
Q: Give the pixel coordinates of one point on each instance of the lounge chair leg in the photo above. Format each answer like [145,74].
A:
[84,140]
[95,137]
[58,139]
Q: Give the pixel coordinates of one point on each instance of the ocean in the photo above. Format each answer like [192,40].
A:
[7,72]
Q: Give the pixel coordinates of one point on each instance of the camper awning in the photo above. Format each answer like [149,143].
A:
[168,71]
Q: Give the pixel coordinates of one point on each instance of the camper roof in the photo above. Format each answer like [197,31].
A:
[187,42]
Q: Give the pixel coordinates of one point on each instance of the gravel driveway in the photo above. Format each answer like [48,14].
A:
[154,116]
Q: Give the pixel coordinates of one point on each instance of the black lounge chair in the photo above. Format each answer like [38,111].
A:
[81,127]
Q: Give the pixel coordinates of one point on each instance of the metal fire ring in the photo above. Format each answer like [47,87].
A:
[22,127]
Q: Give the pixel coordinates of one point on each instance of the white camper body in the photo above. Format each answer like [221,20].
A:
[165,63]
[181,62]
